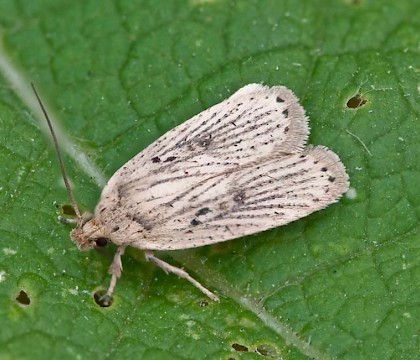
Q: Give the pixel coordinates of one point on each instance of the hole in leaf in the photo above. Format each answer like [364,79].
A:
[67,209]
[356,102]
[202,303]
[266,350]
[239,347]
[101,300]
[23,298]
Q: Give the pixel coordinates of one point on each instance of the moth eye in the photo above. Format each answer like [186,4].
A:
[101,242]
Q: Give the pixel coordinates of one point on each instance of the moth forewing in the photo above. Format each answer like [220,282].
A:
[242,128]
[255,122]
[237,168]
[249,199]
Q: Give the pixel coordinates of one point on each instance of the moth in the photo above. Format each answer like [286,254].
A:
[237,168]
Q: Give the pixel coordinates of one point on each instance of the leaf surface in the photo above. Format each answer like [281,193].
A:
[341,283]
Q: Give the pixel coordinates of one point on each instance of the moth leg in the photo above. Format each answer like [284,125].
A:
[65,220]
[167,268]
[85,217]
[115,270]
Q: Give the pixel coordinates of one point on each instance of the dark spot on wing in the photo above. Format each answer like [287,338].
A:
[286,129]
[239,197]
[204,141]
[324,169]
[331,178]
[195,222]
[156,159]
[202,211]
[285,113]
[170,158]
[279,99]
[115,228]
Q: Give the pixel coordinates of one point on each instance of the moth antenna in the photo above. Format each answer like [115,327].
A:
[60,159]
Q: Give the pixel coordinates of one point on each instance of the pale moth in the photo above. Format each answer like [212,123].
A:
[237,168]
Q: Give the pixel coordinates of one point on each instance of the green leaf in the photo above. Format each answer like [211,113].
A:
[341,283]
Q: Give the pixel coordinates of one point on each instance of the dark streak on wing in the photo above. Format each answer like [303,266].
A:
[141,220]
[202,211]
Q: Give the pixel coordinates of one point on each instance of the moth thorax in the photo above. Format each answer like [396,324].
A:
[85,235]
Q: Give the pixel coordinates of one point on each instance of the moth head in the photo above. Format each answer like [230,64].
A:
[88,235]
